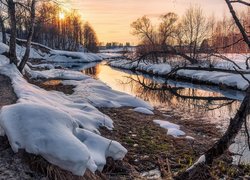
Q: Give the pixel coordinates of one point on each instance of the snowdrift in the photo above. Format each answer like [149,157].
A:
[157,69]
[68,56]
[218,78]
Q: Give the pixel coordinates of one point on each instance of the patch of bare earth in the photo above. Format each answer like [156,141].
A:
[149,147]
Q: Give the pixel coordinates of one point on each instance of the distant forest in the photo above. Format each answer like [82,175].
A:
[193,33]
[55,27]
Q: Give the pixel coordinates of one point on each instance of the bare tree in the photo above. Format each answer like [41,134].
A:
[245,36]
[167,29]
[2,22]
[143,28]
[32,11]
[11,5]
[236,123]
[195,29]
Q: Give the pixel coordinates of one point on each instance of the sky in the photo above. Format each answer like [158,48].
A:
[112,18]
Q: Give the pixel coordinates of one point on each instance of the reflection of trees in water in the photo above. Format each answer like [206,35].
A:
[182,99]
[202,103]
[93,71]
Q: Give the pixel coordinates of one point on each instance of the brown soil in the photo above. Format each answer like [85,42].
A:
[148,145]
[7,95]
[54,85]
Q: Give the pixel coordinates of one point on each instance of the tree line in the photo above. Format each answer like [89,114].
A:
[192,34]
[54,26]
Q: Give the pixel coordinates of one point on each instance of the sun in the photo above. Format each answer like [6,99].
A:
[61,15]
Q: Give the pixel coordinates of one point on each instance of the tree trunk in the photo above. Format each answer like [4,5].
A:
[225,141]
[30,35]
[238,23]
[4,39]
[12,15]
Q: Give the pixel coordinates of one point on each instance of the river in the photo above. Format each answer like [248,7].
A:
[202,103]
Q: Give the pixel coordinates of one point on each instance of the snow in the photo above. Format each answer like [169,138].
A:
[99,94]
[118,50]
[48,124]
[189,137]
[219,78]
[68,56]
[107,56]
[90,90]
[231,80]
[157,69]
[3,60]
[3,48]
[143,111]
[152,174]
[172,129]
[239,59]
[202,159]
[44,66]
[34,54]
[63,128]
[56,74]
[53,134]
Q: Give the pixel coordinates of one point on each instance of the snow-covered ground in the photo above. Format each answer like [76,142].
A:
[172,129]
[62,128]
[219,78]
[118,50]
[157,69]
[68,56]
[143,111]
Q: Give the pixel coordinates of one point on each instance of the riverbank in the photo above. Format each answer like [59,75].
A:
[153,154]
[87,107]
[222,75]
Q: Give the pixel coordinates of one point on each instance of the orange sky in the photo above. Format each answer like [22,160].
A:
[112,18]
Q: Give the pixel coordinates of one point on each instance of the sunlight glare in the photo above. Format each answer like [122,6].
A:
[61,15]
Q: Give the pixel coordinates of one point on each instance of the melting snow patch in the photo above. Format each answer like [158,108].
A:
[153,174]
[173,129]
[201,160]
[51,124]
[68,56]
[189,137]
[143,111]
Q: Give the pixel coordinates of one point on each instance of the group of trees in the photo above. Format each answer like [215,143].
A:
[62,29]
[110,45]
[240,119]
[51,25]
[192,34]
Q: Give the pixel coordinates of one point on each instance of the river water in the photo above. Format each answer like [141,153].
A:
[189,101]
